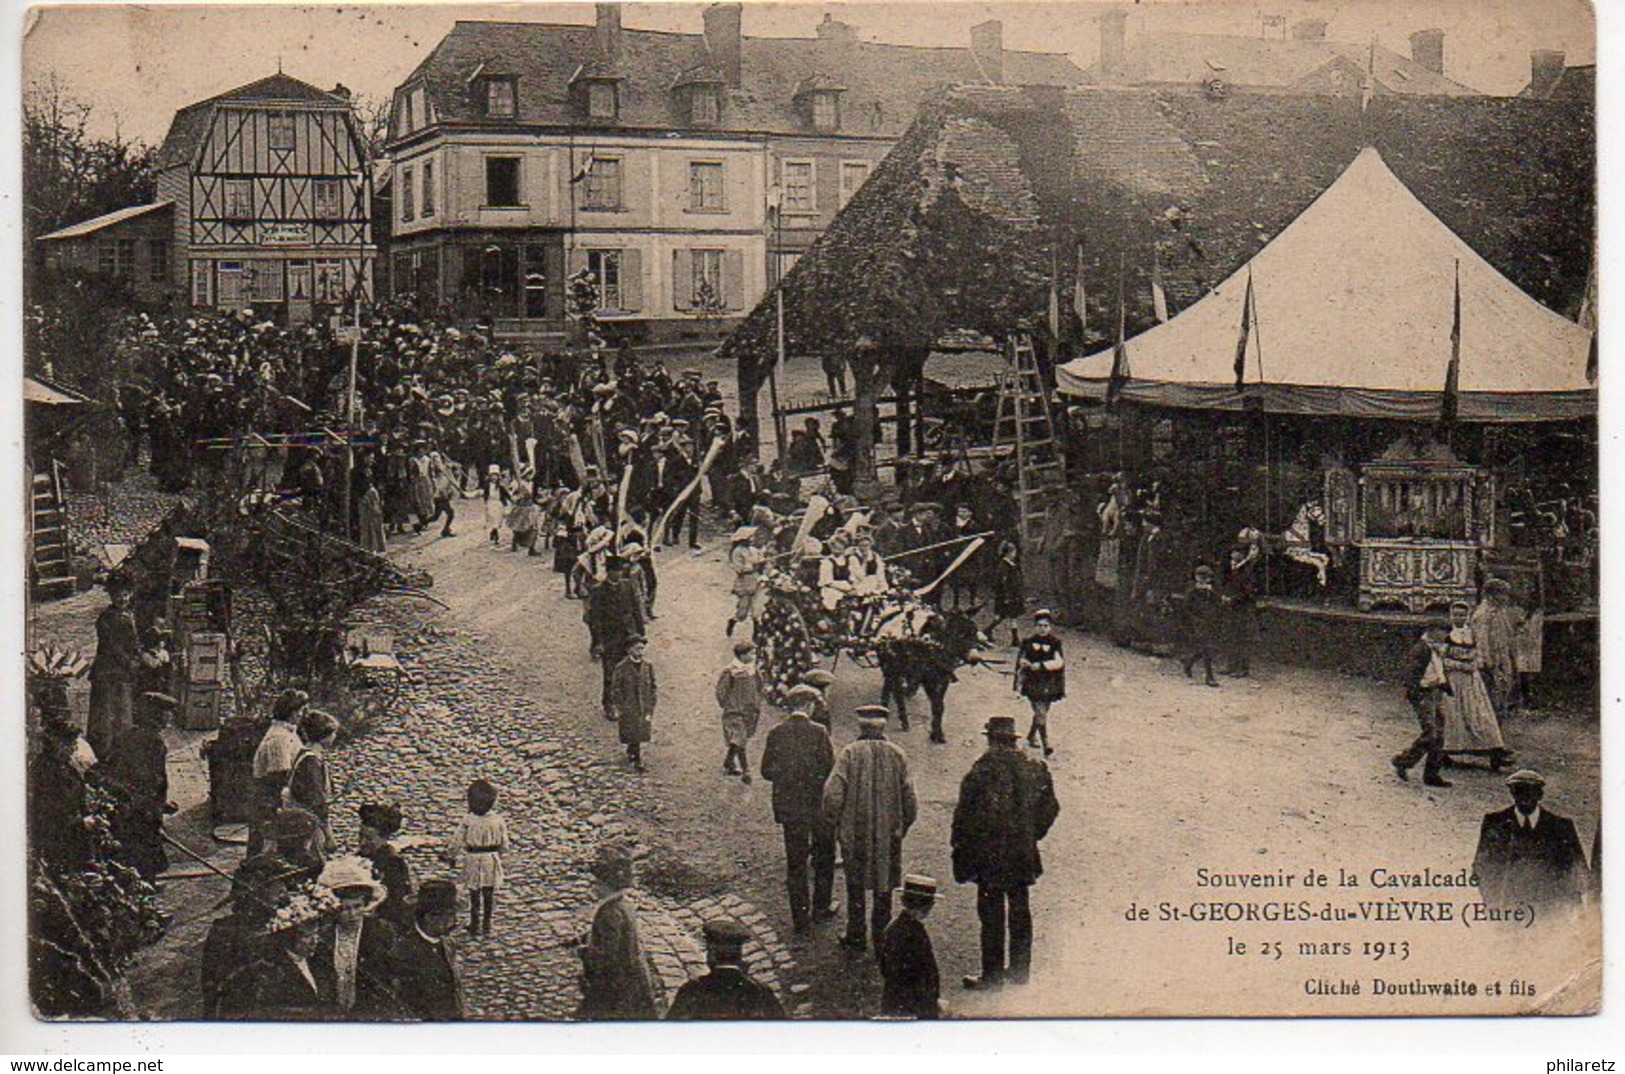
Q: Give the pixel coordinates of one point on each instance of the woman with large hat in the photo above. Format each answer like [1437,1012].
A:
[290,983]
[357,950]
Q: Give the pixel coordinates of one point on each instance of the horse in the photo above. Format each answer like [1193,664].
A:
[919,646]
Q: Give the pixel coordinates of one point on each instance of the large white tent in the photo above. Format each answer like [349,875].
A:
[1353,304]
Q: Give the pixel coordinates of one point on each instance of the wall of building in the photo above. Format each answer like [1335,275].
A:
[145,268]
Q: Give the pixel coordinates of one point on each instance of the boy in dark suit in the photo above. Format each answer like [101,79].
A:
[908,964]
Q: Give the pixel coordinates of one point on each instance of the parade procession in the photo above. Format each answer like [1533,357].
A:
[752,517]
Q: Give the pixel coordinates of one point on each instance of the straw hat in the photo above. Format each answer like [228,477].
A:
[350,872]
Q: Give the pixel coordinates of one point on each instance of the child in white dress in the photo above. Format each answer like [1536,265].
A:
[481,838]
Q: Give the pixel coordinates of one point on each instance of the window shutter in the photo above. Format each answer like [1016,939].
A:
[733,279]
[577,262]
[682,279]
[631,279]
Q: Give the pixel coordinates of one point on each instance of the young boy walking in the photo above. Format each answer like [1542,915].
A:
[739,692]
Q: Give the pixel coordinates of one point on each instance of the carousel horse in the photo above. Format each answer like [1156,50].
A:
[1299,543]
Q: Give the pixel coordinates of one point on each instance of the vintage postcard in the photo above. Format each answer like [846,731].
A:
[866,511]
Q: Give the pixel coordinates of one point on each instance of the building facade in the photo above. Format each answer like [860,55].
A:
[686,172]
[133,247]
[270,185]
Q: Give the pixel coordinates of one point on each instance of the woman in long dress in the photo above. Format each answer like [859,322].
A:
[1470,726]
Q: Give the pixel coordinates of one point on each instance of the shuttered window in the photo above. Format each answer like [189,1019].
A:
[853,174]
[800,187]
[707,187]
[428,188]
[408,205]
[604,183]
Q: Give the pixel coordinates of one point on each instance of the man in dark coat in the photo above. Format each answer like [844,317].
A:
[912,986]
[727,993]
[428,978]
[797,760]
[614,614]
[1527,854]
[138,774]
[1006,805]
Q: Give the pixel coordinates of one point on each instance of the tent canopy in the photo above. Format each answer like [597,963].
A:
[1353,307]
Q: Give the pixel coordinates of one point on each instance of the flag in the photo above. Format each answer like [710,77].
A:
[1054,310]
[1120,372]
[1159,296]
[1452,373]
[1245,334]
[1369,86]
[1080,305]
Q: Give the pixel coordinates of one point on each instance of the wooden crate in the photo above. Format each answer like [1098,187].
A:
[202,708]
[206,660]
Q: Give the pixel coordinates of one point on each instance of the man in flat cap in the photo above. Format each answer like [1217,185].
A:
[727,993]
[617,982]
[1006,805]
[912,986]
[869,804]
[428,970]
[797,760]
[1528,854]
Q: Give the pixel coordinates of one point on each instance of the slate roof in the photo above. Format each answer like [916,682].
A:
[97,223]
[884,84]
[954,228]
[1270,63]
[191,124]
[1577,82]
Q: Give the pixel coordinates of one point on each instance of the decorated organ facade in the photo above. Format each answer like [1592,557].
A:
[271,185]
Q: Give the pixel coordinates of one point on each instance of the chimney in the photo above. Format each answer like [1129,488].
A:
[722,38]
[834,32]
[1427,49]
[1113,31]
[987,48]
[1309,30]
[608,31]
[341,90]
[1545,68]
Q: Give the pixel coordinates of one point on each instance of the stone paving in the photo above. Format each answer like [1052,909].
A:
[464,720]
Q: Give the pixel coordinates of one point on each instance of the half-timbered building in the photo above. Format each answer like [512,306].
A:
[270,183]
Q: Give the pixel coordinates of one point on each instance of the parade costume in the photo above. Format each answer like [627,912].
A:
[1041,679]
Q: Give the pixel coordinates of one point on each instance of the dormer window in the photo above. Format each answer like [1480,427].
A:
[705,105]
[818,99]
[501,100]
[601,100]
[826,111]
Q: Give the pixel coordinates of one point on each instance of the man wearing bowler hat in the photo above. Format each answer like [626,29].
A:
[869,804]
[1527,853]
[908,965]
[428,976]
[727,993]
[797,760]
[1006,805]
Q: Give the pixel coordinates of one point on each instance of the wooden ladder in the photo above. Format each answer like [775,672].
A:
[1023,425]
[48,529]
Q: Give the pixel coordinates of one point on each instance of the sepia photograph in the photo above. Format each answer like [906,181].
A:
[838,512]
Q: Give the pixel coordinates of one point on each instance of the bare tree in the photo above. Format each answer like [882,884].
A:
[69,174]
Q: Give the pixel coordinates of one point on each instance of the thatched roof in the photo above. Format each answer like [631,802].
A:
[956,227]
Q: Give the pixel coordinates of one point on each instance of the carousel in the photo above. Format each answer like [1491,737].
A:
[1368,409]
